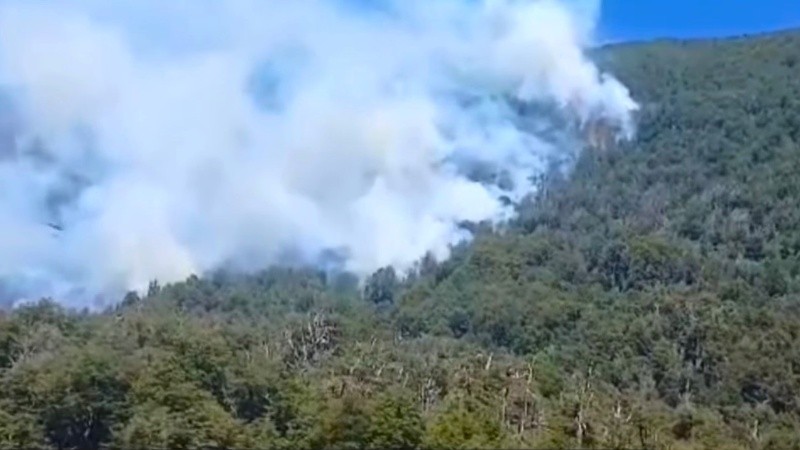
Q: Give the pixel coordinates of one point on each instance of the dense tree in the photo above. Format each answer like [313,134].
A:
[649,299]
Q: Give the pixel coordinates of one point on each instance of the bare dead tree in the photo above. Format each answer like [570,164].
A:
[304,344]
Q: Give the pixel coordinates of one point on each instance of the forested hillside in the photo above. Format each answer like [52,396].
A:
[650,299]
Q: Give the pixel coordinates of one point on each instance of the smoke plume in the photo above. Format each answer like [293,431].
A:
[150,139]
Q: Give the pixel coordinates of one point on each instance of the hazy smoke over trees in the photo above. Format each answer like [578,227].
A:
[144,139]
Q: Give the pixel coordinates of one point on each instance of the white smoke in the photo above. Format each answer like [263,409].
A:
[165,138]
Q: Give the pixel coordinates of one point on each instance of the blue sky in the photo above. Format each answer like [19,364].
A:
[624,20]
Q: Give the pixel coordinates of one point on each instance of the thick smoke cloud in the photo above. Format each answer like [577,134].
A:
[150,139]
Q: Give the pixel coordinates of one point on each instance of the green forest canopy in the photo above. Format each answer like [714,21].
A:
[648,300]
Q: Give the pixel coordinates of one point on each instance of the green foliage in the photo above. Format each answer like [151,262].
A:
[647,300]
[396,422]
[460,427]
[345,424]
[20,431]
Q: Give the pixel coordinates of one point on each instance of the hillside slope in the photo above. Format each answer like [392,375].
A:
[648,300]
